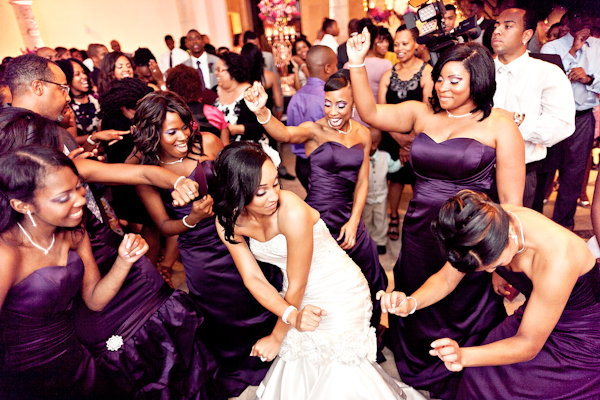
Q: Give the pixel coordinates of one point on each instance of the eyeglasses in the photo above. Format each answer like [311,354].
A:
[219,70]
[65,88]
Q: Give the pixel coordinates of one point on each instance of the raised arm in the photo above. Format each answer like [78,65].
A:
[510,161]
[387,117]
[97,292]
[256,99]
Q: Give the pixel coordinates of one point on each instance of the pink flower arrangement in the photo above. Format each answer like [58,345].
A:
[273,10]
[379,16]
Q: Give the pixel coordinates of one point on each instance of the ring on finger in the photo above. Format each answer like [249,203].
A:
[190,193]
[263,359]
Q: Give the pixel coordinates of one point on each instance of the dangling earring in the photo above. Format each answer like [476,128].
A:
[353,109]
[31,218]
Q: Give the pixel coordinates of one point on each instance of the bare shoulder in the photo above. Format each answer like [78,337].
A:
[501,126]
[10,262]
[294,212]
[211,143]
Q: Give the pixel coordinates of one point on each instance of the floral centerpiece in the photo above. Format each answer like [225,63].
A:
[277,11]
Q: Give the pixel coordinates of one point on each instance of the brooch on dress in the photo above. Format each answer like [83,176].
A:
[114,343]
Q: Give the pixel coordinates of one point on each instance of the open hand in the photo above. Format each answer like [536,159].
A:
[256,97]
[132,248]
[358,47]
[449,352]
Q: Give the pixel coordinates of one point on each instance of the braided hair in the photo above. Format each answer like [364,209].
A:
[120,93]
[472,230]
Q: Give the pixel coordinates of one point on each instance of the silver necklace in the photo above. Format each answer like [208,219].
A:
[520,230]
[458,116]
[45,250]
[341,131]
[170,162]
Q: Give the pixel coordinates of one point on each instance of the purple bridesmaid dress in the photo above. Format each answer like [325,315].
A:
[333,174]
[39,354]
[233,320]
[567,367]
[469,313]
[162,355]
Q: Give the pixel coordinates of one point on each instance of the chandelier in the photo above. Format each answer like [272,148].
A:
[277,13]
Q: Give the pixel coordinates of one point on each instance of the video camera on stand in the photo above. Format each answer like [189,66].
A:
[433,35]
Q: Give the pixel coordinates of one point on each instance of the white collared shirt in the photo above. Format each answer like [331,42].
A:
[542,92]
[177,56]
[203,67]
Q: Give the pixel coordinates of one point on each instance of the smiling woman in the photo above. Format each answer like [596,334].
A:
[115,65]
[457,145]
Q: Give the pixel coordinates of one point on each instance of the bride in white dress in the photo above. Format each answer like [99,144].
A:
[323,343]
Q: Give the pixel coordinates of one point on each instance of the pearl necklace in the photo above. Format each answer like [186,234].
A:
[46,251]
[459,116]
[341,131]
[170,162]
[514,236]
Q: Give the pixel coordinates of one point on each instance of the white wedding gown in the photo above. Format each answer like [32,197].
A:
[337,360]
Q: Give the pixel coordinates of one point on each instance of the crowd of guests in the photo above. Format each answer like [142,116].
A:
[114,166]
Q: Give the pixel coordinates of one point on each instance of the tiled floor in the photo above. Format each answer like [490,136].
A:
[583,227]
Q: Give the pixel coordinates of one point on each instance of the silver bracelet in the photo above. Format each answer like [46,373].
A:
[415,307]
[177,181]
[186,224]
[268,119]
[90,140]
[287,313]
[356,65]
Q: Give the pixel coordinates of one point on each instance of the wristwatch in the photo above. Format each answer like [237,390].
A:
[591,79]
[518,118]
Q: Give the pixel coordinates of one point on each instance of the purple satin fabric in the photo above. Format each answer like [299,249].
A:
[39,354]
[472,309]
[234,320]
[567,367]
[333,175]
[163,353]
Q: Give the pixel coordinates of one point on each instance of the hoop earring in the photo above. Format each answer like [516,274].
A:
[31,218]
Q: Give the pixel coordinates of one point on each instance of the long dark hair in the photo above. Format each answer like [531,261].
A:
[148,120]
[472,230]
[107,69]
[255,60]
[67,68]
[238,170]
[22,172]
[20,127]
[479,62]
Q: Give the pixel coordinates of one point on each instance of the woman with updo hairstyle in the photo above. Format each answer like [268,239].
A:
[47,264]
[115,65]
[551,342]
[460,143]
[233,320]
[186,82]
[338,150]
[323,345]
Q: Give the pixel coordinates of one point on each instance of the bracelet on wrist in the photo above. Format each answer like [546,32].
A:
[267,120]
[91,141]
[356,65]
[186,224]
[412,311]
[177,181]
[287,313]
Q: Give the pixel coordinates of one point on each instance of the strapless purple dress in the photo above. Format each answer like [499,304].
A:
[234,320]
[162,355]
[333,174]
[567,367]
[40,356]
[469,313]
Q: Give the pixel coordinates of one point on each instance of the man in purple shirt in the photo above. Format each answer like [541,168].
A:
[307,103]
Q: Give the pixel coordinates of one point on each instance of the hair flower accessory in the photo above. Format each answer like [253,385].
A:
[114,343]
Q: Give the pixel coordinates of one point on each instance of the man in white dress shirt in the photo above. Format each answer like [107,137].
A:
[173,57]
[330,29]
[202,61]
[580,55]
[534,93]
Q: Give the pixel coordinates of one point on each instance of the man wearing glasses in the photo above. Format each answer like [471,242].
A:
[39,85]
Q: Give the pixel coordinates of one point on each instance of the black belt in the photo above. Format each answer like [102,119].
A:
[582,112]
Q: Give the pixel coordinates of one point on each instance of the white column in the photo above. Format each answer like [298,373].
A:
[27,25]
[209,17]
[338,10]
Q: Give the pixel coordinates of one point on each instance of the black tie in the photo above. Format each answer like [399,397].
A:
[171,59]
[198,63]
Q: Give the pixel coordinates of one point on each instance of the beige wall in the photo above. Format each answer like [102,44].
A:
[134,23]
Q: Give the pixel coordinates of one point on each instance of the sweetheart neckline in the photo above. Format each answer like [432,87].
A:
[338,143]
[47,266]
[456,138]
